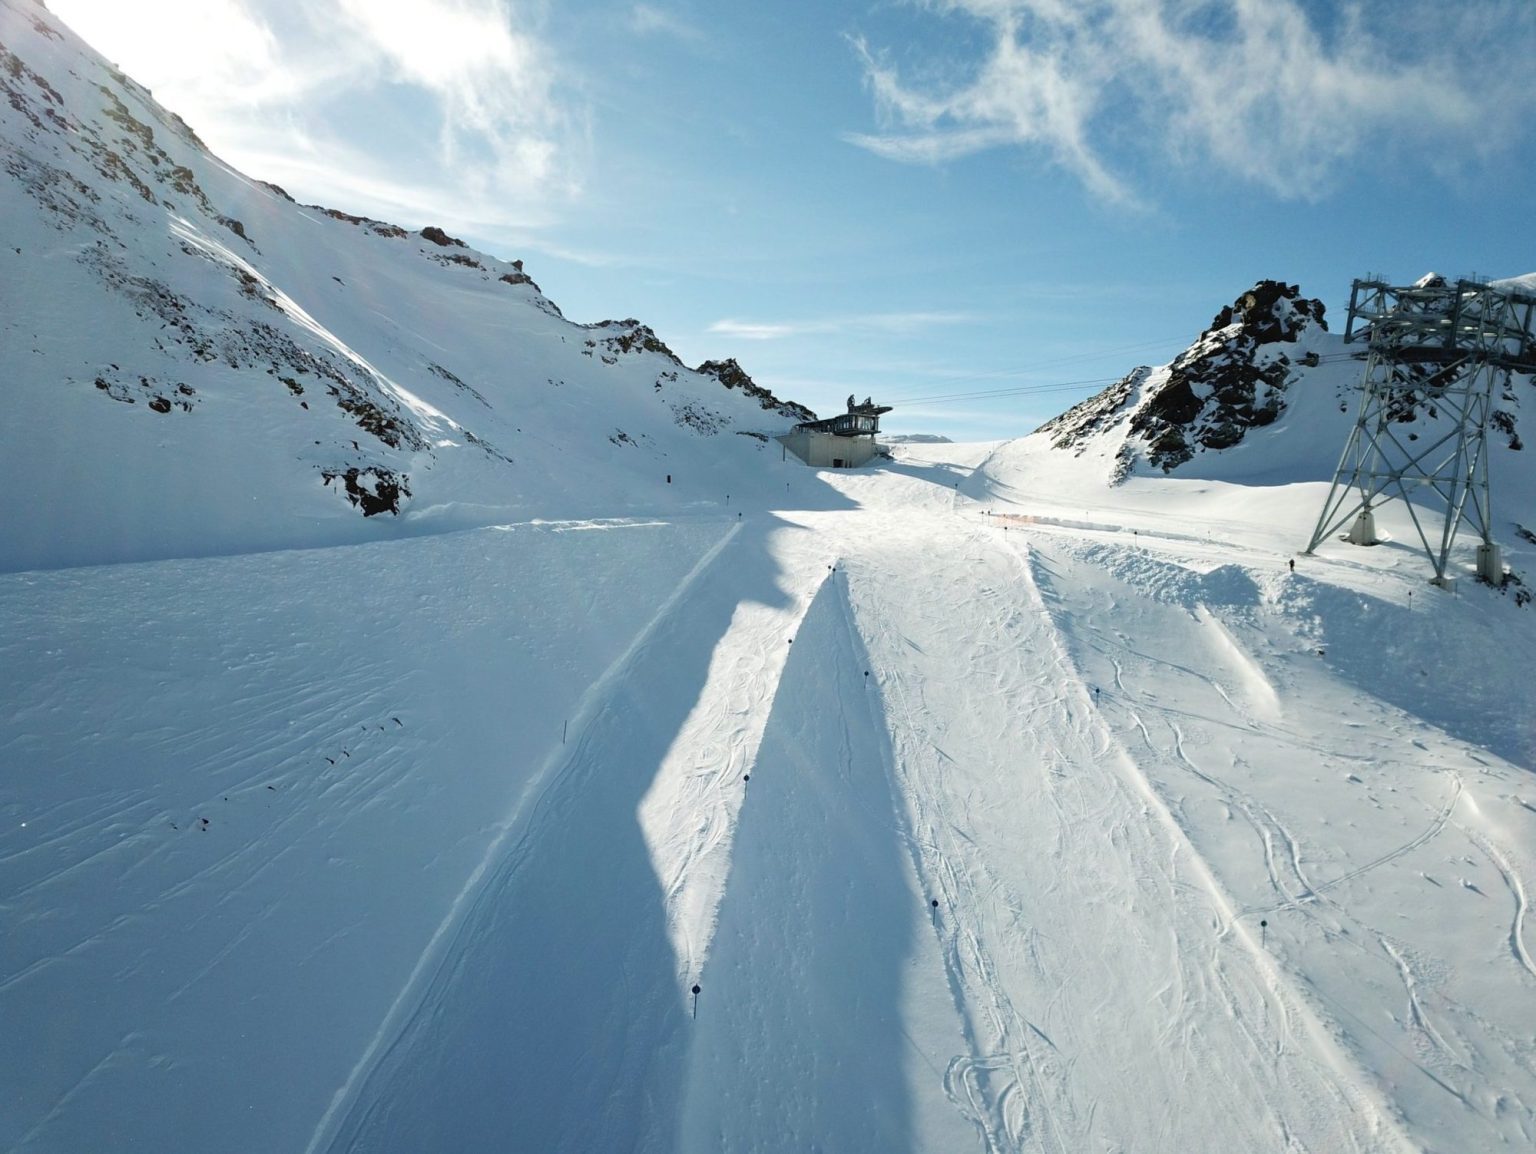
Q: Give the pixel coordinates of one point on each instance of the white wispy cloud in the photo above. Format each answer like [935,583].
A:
[464,97]
[758,331]
[1262,89]
[648,18]
[890,323]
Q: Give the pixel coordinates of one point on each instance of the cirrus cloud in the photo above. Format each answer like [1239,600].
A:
[1266,90]
[888,323]
[391,107]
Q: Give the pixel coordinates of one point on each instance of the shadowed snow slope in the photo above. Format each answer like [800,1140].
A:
[1224,857]
[1077,820]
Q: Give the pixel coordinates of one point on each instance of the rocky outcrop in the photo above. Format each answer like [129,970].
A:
[1233,379]
[628,336]
[733,376]
[374,491]
[1085,420]
[438,237]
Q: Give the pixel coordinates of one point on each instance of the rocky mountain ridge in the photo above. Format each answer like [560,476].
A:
[1231,380]
[1264,359]
[256,363]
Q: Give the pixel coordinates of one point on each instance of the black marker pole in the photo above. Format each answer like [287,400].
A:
[695,1000]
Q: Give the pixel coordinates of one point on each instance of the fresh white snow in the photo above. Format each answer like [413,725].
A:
[477,820]
[989,806]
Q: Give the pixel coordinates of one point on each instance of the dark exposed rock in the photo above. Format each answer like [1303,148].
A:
[631,337]
[439,237]
[117,111]
[733,376]
[377,227]
[456,382]
[1231,380]
[363,409]
[139,142]
[1074,428]
[1271,311]
[384,496]
[130,388]
[42,27]
[1504,422]
[486,447]
[699,419]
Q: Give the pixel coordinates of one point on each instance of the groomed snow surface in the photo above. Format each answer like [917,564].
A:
[1076,821]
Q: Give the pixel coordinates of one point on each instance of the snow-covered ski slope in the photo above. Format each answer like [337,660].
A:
[1075,821]
[990,806]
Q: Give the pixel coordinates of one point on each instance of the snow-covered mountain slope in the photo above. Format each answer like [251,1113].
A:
[194,364]
[972,803]
[1234,379]
[1266,394]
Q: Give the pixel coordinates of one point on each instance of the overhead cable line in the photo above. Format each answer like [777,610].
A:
[1047,387]
[1009,391]
[1025,370]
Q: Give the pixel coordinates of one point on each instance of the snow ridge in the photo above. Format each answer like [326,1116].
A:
[424,986]
[265,371]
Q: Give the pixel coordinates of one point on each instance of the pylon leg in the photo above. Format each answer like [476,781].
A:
[1363,532]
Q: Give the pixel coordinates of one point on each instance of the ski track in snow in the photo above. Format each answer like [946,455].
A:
[1144,937]
[1016,1085]
[1082,817]
[1148,705]
[1516,887]
[500,853]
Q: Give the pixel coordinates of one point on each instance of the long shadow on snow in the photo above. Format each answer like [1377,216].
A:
[940,474]
[1445,659]
[799,1043]
[553,1021]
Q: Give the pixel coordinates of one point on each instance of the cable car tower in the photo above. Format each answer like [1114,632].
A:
[1449,348]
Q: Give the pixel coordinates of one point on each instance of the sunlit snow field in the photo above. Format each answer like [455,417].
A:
[626,786]
[1075,820]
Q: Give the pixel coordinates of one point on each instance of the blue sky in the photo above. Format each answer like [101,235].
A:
[1012,199]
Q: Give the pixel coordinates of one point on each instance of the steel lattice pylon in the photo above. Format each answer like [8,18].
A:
[1449,347]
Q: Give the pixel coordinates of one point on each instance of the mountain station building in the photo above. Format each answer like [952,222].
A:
[845,441]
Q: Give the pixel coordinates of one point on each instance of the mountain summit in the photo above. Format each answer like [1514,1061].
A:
[1233,379]
[1266,394]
